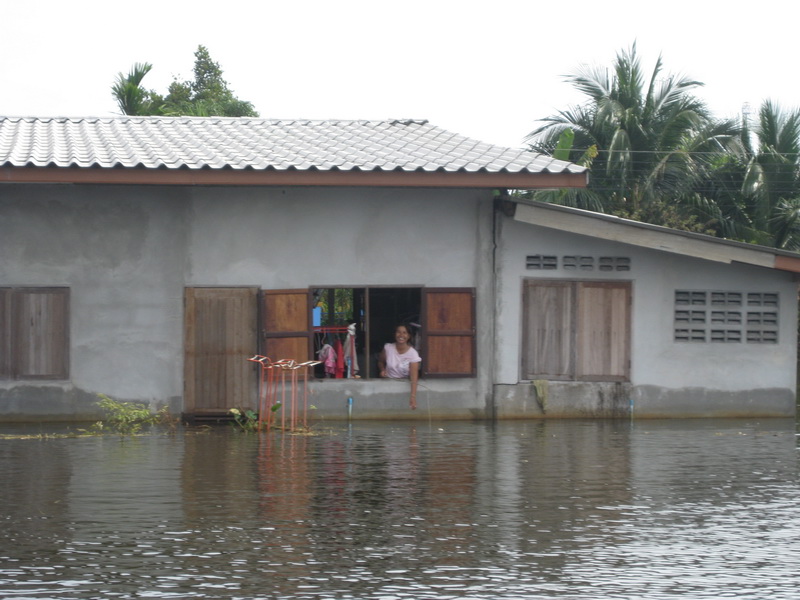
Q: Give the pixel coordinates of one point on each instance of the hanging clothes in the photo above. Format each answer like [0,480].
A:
[327,355]
[337,348]
[350,350]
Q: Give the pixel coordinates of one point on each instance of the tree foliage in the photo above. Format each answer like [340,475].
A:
[206,95]
[657,154]
[650,140]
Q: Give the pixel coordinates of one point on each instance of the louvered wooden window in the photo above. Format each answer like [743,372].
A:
[576,330]
[34,333]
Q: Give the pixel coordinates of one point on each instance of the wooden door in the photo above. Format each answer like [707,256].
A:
[220,327]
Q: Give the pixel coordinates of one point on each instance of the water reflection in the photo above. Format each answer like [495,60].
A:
[663,509]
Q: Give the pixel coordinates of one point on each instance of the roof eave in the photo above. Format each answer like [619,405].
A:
[655,237]
[254,177]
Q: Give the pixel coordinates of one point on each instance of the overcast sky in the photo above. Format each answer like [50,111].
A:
[486,69]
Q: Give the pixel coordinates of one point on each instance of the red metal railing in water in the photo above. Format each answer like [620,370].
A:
[272,379]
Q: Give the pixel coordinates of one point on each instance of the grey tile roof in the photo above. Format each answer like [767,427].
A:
[259,144]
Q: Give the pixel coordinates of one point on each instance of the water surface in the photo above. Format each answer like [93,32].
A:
[568,509]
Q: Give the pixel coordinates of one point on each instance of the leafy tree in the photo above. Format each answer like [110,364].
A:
[207,95]
[649,141]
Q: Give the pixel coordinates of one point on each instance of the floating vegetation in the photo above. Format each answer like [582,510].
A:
[45,436]
[127,418]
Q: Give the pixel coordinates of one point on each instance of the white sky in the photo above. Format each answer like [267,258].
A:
[485,69]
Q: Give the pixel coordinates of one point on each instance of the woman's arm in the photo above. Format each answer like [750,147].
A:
[382,363]
[413,375]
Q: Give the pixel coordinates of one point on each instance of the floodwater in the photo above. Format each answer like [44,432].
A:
[567,509]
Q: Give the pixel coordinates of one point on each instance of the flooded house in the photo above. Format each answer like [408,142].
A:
[149,258]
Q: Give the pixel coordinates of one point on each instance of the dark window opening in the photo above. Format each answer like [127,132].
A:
[375,313]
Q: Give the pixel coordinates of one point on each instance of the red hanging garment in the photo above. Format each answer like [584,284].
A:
[339,359]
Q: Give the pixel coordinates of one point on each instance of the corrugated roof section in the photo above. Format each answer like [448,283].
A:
[258,144]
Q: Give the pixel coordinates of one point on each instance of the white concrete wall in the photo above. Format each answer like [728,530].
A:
[127,253]
[661,369]
[121,253]
[280,238]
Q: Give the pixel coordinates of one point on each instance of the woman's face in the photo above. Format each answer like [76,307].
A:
[401,335]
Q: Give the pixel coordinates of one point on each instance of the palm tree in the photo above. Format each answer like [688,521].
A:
[652,138]
[771,186]
[755,190]
[131,97]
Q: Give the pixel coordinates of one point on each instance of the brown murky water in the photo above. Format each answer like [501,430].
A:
[663,509]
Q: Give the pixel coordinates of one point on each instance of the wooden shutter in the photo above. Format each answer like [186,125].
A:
[286,327]
[603,331]
[220,335]
[548,330]
[40,342]
[448,325]
[5,333]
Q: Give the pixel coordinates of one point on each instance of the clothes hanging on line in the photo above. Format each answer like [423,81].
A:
[350,351]
[339,370]
[339,358]
[327,355]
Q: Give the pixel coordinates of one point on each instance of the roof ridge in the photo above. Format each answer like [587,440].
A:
[97,118]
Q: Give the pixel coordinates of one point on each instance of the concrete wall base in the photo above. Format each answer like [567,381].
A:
[657,402]
[58,403]
[562,399]
[389,400]
[328,400]
[567,399]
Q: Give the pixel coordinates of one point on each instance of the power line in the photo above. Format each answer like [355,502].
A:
[795,155]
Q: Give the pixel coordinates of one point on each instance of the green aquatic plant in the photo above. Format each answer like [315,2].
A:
[246,420]
[126,418]
[541,388]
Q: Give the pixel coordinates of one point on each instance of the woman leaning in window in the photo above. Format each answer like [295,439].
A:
[399,360]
